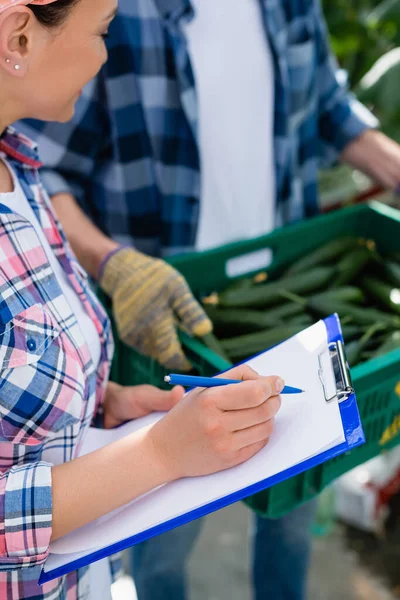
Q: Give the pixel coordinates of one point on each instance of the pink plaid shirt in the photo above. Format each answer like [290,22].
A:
[50,389]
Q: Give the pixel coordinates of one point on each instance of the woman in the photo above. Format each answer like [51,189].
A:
[55,341]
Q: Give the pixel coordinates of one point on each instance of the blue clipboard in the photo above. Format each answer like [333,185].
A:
[354,436]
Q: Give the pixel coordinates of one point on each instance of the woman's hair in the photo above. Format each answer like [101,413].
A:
[53,15]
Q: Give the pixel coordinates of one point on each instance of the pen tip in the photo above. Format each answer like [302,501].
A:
[167,379]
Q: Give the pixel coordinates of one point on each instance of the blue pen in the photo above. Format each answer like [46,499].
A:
[207,382]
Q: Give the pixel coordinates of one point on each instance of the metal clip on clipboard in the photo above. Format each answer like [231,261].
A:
[341,372]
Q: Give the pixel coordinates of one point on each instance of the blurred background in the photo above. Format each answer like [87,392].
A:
[365,36]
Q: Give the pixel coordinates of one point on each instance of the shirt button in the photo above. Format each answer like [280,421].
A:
[31,345]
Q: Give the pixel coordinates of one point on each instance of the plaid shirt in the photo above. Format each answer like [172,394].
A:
[130,154]
[49,387]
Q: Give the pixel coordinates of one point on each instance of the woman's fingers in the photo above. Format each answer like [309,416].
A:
[253,435]
[241,372]
[237,420]
[250,451]
[249,394]
[147,399]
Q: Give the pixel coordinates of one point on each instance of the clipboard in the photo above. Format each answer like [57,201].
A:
[333,361]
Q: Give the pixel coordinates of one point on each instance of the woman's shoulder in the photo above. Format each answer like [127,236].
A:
[6,180]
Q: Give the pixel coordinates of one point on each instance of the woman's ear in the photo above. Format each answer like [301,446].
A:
[16,31]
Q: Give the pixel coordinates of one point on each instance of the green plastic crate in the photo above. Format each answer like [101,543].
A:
[377,382]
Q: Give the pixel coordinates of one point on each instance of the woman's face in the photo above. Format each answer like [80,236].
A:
[58,62]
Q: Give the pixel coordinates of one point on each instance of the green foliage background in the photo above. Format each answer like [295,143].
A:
[361,32]
[365,36]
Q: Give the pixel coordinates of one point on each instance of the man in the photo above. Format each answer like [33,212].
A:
[165,164]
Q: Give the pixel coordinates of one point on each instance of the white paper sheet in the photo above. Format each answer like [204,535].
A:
[305,426]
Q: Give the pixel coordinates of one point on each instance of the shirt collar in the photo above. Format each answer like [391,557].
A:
[173,10]
[20,148]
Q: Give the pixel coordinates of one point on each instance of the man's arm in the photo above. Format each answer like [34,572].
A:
[90,244]
[377,156]
[148,295]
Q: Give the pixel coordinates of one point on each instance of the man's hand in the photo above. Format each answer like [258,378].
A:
[377,156]
[123,404]
[149,299]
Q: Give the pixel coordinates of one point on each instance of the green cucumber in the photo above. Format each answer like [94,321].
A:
[394,256]
[264,295]
[351,332]
[280,313]
[240,284]
[391,343]
[213,344]
[362,315]
[246,345]
[351,265]
[237,321]
[348,293]
[392,272]
[329,252]
[355,349]
[353,352]
[247,282]
[367,355]
[305,320]
[382,292]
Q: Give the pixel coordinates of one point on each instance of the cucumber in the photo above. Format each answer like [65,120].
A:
[285,311]
[247,282]
[346,293]
[351,265]
[305,320]
[362,315]
[383,293]
[391,343]
[213,344]
[392,272]
[240,284]
[367,355]
[351,332]
[266,294]
[329,252]
[239,321]
[355,349]
[246,345]
[394,256]
[353,353]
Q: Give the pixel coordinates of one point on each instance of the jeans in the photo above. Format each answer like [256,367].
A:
[159,564]
[281,556]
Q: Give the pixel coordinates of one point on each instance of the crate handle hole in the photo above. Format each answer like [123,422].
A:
[249,263]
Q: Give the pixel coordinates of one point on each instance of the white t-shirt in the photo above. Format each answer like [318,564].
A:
[233,69]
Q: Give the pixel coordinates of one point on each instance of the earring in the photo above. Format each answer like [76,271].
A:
[17,67]
[8,61]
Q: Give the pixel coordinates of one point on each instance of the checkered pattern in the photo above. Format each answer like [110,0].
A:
[130,154]
[49,387]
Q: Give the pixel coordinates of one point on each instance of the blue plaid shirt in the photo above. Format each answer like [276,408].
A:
[130,154]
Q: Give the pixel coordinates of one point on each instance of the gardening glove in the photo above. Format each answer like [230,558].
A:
[149,297]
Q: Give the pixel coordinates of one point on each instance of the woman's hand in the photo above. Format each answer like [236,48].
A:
[215,429]
[207,431]
[123,404]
